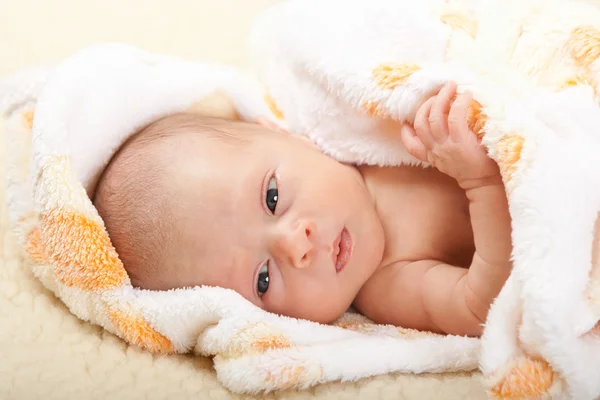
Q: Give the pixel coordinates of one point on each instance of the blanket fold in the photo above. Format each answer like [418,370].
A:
[349,79]
[76,115]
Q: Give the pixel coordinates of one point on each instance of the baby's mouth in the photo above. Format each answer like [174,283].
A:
[342,250]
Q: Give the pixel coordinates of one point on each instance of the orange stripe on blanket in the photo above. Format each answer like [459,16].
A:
[135,330]
[81,251]
[509,149]
[374,109]
[576,81]
[585,45]
[256,338]
[28,119]
[389,76]
[476,119]
[286,377]
[581,80]
[271,343]
[273,107]
[530,379]
[34,246]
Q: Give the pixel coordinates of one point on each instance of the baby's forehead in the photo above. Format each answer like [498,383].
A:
[219,153]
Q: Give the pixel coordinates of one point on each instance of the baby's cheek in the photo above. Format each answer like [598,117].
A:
[332,303]
[314,300]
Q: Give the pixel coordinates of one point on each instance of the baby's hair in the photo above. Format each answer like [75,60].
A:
[130,195]
[187,124]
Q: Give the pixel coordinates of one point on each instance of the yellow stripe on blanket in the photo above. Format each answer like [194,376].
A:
[460,21]
[581,80]
[389,76]
[374,109]
[273,106]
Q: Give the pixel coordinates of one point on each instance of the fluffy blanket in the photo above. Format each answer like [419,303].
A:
[533,107]
[347,74]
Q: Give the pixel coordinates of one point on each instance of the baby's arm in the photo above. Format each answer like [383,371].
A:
[444,297]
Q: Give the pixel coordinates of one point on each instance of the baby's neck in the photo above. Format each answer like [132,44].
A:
[368,187]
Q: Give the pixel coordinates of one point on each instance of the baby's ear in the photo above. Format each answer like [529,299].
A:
[216,105]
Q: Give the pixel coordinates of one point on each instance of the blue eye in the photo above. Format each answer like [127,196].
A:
[262,283]
[272,195]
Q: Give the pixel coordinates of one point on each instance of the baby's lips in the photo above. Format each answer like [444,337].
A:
[346,247]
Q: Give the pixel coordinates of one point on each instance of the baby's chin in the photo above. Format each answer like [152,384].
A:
[326,314]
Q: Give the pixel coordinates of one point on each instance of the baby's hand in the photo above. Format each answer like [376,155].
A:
[441,137]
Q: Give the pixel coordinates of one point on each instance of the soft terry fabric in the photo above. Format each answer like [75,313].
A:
[347,74]
[537,341]
[78,114]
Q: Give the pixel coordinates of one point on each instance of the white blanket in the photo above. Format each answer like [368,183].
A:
[341,72]
[348,74]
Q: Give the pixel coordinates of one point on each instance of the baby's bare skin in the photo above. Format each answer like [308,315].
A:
[447,252]
[195,202]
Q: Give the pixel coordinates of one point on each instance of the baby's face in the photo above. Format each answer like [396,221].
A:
[290,229]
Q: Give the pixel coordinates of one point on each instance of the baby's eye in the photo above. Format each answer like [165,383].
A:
[272,195]
[262,283]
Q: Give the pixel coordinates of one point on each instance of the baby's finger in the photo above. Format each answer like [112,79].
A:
[422,128]
[413,144]
[438,118]
[457,118]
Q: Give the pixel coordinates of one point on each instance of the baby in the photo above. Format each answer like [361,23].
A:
[193,201]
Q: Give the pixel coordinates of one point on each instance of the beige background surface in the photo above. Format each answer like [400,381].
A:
[47,353]
[42,31]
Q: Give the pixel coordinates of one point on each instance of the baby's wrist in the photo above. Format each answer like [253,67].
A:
[474,183]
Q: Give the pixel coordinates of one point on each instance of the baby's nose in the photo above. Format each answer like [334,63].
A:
[295,245]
